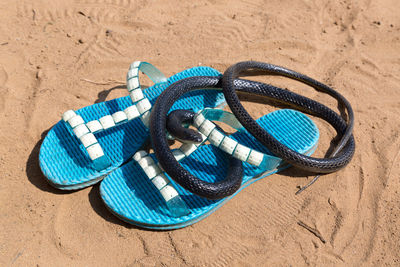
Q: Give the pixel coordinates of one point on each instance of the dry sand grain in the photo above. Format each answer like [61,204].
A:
[48,48]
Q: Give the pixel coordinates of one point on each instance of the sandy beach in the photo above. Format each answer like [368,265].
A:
[64,54]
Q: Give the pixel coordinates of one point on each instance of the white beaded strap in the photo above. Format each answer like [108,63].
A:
[141,106]
[135,91]
[110,121]
[156,175]
[210,132]
[84,133]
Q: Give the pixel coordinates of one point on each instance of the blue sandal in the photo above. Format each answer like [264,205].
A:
[141,194]
[88,143]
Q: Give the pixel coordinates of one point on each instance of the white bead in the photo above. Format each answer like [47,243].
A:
[255,158]
[94,126]
[168,192]
[146,118]
[75,121]
[203,137]
[140,154]
[143,106]
[132,112]
[215,137]
[160,181]
[80,130]
[133,84]
[95,151]
[179,155]
[119,116]
[228,145]
[136,94]
[207,127]
[88,139]
[145,162]
[198,120]
[107,121]
[133,73]
[68,115]
[152,171]
[135,64]
[241,152]
[188,148]
[159,166]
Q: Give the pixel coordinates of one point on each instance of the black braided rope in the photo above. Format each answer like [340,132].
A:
[228,186]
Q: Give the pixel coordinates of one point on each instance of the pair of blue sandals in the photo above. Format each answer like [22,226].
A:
[103,142]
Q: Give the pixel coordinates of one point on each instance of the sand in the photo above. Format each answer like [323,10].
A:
[63,54]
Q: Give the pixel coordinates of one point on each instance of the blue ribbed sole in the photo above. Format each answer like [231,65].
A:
[65,162]
[130,195]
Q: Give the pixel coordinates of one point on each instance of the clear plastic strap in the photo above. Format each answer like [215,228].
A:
[222,116]
[152,72]
[203,122]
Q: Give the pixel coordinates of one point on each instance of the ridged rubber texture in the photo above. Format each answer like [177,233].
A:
[166,99]
[63,159]
[339,158]
[130,195]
